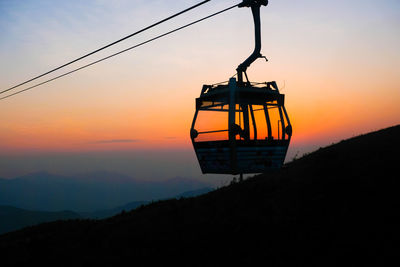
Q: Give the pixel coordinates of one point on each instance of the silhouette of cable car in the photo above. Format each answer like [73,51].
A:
[241,127]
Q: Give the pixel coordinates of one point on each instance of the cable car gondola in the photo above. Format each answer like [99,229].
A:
[241,127]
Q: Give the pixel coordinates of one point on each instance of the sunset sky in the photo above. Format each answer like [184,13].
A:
[337,62]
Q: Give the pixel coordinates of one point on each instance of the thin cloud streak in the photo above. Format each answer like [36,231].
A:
[113,141]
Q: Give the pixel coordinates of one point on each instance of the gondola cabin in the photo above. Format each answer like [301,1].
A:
[240,128]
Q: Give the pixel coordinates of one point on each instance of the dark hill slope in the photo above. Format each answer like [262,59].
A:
[12,218]
[336,206]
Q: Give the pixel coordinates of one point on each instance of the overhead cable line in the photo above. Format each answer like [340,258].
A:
[120,52]
[106,46]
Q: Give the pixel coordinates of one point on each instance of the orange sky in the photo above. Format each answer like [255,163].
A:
[340,73]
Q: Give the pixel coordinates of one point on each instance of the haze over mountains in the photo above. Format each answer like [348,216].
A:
[87,192]
[44,197]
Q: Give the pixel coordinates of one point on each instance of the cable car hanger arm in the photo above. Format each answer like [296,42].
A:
[255,9]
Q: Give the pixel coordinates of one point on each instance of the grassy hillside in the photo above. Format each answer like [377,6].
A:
[336,206]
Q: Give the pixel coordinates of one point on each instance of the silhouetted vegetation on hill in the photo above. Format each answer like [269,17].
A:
[12,218]
[336,206]
[101,214]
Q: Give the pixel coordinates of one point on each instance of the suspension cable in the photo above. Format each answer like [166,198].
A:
[120,52]
[106,46]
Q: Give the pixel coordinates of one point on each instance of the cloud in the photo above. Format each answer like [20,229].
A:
[113,141]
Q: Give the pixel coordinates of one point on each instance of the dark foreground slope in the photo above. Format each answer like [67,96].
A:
[336,206]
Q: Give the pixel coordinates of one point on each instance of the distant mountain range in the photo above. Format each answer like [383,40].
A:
[87,192]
